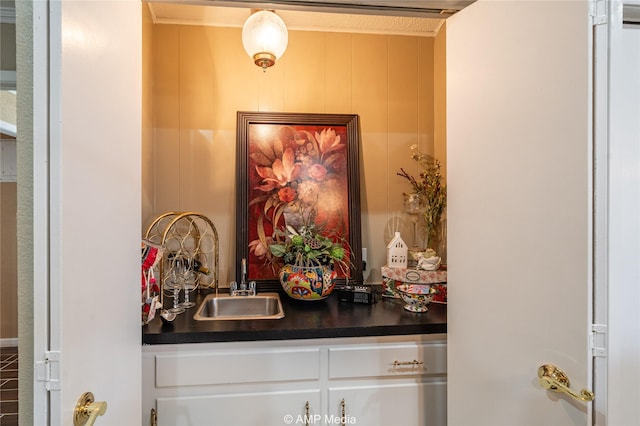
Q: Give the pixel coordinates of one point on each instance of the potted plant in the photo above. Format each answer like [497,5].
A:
[308,257]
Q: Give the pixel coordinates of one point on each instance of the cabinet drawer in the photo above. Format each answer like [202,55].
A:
[388,360]
[261,408]
[189,369]
[391,404]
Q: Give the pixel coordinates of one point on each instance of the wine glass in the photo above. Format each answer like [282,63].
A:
[415,205]
[175,282]
[190,278]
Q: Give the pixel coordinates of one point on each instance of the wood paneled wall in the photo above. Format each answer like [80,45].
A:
[202,77]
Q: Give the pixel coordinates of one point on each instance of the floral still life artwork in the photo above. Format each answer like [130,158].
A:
[298,190]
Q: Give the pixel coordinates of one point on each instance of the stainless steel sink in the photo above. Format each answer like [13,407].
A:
[226,307]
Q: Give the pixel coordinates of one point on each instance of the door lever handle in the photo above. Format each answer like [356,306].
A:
[87,410]
[553,378]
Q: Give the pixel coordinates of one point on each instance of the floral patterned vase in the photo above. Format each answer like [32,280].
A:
[307,282]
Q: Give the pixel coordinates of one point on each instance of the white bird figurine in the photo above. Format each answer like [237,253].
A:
[428,263]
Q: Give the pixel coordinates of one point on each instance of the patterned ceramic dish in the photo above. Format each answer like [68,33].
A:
[307,283]
[416,296]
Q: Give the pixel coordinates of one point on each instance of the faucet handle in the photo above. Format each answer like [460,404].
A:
[243,289]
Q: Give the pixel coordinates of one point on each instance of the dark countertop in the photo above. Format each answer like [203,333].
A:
[303,320]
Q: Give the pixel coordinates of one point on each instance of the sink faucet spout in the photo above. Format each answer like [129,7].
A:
[244,288]
[243,278]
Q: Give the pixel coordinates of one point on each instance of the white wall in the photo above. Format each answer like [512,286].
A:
[202,77]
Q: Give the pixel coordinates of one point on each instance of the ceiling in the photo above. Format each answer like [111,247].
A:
[326,19]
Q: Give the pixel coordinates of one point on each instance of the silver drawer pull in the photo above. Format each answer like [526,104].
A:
[414,363]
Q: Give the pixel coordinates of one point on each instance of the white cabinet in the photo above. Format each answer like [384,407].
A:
[389,380]
[400,383]
[237,409]
[391,404]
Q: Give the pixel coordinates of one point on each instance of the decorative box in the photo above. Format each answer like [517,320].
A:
[392,277]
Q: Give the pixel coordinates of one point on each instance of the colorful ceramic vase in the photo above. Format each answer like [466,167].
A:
[307,282]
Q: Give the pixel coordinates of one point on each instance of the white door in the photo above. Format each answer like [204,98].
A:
[519,210]
[624,196]
[87,210]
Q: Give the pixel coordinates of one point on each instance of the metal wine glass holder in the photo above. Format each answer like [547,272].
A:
[187,235]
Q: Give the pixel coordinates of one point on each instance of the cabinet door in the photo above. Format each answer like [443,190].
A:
[259,408]
[393,404]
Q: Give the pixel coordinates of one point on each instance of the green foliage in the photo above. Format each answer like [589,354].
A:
[309,246]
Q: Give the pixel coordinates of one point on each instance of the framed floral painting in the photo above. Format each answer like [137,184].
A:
[292,168]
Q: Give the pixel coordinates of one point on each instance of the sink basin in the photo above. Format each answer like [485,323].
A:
[226,307]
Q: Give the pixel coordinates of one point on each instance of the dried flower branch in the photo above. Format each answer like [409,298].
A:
[429,185]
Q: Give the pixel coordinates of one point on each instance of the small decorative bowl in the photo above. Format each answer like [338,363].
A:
[416,296]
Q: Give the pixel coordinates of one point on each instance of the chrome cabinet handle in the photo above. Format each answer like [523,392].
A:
[553,378]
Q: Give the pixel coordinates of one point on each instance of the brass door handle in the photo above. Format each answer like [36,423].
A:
[553,378]
[87,410]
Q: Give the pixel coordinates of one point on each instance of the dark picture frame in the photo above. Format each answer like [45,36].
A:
[326,148]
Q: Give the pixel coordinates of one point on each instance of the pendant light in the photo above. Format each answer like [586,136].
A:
[264,37]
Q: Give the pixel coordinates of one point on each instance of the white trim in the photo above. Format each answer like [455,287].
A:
[320,28]
[424,8]
[8,342]
[40,194]
[623,391]
[297,20]
[600,223]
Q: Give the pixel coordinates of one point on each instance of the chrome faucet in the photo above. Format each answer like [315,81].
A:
[243,278]
[244,289]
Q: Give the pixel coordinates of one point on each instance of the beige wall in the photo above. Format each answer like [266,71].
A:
[202,77]
[148,166]
[8,262]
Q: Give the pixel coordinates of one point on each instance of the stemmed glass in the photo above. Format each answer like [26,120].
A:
[190,278]
[175,281]
[415,205]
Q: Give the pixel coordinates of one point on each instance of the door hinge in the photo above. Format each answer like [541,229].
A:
[599,340]
[598,12]
[48,371]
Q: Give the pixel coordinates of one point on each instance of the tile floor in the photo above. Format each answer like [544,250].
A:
[8,386]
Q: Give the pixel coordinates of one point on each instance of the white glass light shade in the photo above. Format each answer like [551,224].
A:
[264,37]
